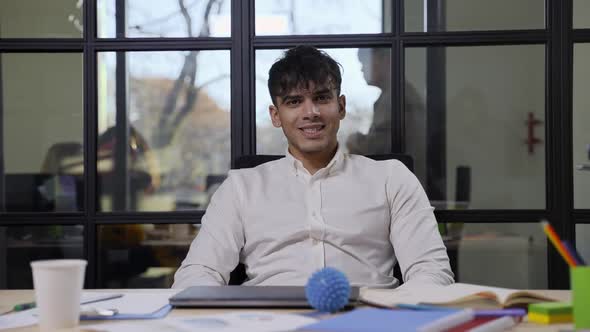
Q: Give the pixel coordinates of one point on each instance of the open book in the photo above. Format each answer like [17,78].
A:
[455,295]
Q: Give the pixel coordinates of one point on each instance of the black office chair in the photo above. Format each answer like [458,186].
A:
[37,192]
[238,275]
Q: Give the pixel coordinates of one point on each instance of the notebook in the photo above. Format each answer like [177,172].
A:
[386,320]
[247,296]
[459,295]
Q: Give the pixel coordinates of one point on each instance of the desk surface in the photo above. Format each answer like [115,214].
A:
[10,297]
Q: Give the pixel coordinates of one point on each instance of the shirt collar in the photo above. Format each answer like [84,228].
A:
[335,163]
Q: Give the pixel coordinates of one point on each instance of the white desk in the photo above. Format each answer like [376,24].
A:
[9,298]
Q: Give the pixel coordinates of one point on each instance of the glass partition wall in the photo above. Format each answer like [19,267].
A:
[120,118]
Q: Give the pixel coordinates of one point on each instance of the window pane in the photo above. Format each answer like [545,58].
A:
[516,247]
[462,15]
[582,243]
[483,115]
[142,256]
[581,132]
[174,129]
[41,19]
[156,18]
[23,244]
[309,17]
[366,83]
[581,14]
[42,105]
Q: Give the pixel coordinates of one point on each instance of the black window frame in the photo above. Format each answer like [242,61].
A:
[558,36]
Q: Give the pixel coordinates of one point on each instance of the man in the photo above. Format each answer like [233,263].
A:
[375,65]
[317,206]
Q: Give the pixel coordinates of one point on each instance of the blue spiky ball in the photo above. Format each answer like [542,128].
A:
[327,290]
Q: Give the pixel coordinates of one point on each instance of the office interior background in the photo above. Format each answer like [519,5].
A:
[120,118]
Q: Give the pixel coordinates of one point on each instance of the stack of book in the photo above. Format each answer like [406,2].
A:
[550,312]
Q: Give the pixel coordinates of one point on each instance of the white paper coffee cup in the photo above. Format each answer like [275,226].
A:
[58,288]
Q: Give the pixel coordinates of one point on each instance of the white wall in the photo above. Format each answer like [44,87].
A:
[480,14]
[497,14]
[581,139]
[490,91]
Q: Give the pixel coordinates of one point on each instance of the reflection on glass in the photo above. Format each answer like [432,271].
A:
[174,131]
[488,121]
[142,256]
[581,14]
[308,17]
[582,243]
[366,82]
[156,18]
[41,19]
[520,248]
[42,104]
[23,244]
[464,15]
[581,134]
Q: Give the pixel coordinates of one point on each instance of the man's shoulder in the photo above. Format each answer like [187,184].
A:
[391,171]
[265,169]
[385,164]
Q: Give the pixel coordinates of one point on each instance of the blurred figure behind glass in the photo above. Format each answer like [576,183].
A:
[376,68]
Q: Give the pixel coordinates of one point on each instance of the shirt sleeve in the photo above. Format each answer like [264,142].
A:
[214,253]
[418,246]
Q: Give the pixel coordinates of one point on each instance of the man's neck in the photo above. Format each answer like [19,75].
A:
[313,162]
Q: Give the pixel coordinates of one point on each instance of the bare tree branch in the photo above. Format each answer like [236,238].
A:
[187,18]
[170,119]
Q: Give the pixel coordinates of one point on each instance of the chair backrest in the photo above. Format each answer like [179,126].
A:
[43,192]
[238,275]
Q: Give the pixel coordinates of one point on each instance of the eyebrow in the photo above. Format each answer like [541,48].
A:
[290,97]
[322,91]
[298,95]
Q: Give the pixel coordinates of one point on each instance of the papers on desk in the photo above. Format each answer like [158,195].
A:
[29,317]
[145,305]
[132,305]
[17,319]
[226,322]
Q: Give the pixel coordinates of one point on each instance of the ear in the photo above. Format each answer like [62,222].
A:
[273,111]
[342,106]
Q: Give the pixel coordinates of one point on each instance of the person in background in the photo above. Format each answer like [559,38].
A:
[375,64]
[376,68]
[318,206]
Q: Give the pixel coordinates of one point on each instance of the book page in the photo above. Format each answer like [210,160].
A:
[504,296]
[433,294]
[458,294]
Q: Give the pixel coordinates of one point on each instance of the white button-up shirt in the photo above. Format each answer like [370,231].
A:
[357,215]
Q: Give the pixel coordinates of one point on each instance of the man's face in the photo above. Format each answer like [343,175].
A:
[374,67]
[310,119]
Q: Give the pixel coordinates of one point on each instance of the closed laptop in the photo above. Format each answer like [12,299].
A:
[247,296]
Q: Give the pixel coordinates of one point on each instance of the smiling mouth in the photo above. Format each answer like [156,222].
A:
[312,132]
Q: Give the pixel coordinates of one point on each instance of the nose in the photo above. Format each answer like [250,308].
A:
[311,110]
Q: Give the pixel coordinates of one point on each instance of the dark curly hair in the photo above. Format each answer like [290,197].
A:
[298,67]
